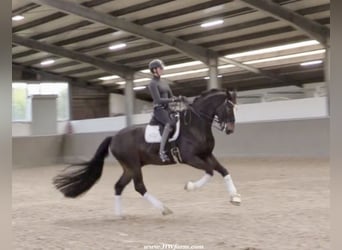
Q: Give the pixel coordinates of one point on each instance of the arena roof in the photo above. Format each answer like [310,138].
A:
[258,44]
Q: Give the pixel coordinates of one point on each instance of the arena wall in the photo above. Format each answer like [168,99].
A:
[31,151]
[292,128]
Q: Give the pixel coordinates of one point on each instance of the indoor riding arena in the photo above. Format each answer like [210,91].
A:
[81,74]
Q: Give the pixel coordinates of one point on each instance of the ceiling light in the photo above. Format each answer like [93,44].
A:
[142,80]
[176,66]
[182,65]
[139,87]
[274,49]
[117,46]
[106,78]
[207,77]
[17,18]
[186,72]
[47,62]
[137,80]
[320,51]
[311,63]
[211,23]
[226,66]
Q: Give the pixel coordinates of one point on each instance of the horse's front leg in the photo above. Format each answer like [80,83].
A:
[199,163]
[235,198]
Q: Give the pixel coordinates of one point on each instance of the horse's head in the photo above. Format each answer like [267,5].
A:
[217,105]
[224,115]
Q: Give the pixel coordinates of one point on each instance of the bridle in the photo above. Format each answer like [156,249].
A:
[219,124]
[216,122]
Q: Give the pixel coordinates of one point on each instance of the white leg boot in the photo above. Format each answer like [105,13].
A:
[197,184]
[118,207]
[157,204]
[235,198]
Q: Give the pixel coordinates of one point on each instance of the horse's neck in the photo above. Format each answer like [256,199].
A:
[196,125]
[208,107]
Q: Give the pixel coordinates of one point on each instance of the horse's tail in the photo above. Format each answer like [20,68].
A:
[77,181]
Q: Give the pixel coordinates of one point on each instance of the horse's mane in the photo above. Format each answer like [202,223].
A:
[207,93]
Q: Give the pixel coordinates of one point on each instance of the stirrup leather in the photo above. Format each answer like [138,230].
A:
[163,156]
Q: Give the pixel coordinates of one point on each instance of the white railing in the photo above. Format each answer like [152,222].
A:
[306,108]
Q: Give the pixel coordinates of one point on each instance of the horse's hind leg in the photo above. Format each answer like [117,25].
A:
[125,178]
[140,188]
[235,198]
[197,162]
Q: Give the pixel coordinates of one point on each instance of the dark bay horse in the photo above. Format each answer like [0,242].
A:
[195,144]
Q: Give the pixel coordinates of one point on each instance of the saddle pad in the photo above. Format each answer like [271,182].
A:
[152,133]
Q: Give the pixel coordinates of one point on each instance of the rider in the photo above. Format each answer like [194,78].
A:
[162,95]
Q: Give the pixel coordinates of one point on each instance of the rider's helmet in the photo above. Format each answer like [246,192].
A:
[155,63]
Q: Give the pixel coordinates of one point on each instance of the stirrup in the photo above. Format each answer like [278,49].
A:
[163,156]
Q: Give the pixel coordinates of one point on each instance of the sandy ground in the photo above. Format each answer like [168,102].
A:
[285,206]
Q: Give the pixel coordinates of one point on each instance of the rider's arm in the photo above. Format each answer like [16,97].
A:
[170,93]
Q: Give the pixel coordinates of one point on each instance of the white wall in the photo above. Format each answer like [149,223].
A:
[295,138]
[21,129]
[37,150]
[307,108]
[117,105]
[292,138]
[43,114]
[24,128]
[288,128]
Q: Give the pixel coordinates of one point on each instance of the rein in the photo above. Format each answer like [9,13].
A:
[203,116]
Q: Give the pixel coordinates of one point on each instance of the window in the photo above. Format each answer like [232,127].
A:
[19,102]
[21,91]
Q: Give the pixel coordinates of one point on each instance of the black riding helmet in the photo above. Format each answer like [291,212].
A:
[155,64]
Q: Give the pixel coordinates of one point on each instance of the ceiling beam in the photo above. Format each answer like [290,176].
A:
[44,75]
[314,30]
[258,71]
[34,23]
[24,9]
[194,51]
[111,68]
[119,69]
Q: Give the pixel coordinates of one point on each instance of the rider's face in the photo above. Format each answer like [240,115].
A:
[159,71]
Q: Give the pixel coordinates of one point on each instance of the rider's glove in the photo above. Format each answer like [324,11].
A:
[175,99]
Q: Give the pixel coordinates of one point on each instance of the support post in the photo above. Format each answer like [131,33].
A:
[327,77]
[213,81]
[129,99]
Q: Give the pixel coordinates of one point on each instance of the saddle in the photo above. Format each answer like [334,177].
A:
[153,131]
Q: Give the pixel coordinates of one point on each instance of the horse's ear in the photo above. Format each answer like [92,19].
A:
[232,94]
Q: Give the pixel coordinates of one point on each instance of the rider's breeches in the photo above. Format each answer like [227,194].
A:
[163,116]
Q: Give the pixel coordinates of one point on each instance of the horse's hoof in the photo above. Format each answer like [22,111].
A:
[166,211]
[189,186]
[235,199]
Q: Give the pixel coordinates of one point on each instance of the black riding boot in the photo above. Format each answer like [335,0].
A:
[166,133]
